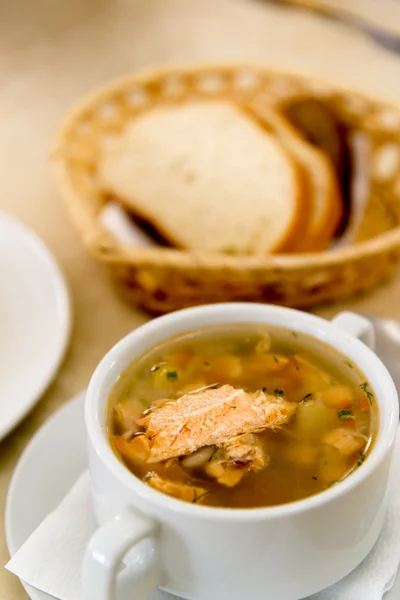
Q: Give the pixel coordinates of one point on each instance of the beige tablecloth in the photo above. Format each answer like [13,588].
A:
[53,51]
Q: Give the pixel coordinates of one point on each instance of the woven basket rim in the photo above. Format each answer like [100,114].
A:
[103,246]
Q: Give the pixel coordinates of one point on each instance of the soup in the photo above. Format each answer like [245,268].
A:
[242,417]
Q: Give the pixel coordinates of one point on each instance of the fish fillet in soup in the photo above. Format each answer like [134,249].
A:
[211,417]
[242,417]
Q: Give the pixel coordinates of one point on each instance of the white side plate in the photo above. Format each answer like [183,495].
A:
[35,321]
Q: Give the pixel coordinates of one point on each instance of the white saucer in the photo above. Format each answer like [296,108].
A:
[45,477]
[35,320]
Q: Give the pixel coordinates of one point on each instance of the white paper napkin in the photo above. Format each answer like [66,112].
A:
[125,231]
[114,218]
[50,560]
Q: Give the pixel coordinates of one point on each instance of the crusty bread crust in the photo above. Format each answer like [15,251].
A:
[301,215]
[319,179]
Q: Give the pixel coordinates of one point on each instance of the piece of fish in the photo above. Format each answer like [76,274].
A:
[245,449]
[183,491]
[235,458]
[126,415]
[136,451]
[211,417]
[346,441]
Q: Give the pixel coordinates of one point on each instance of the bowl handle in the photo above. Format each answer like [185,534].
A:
[357,326]
[104,554]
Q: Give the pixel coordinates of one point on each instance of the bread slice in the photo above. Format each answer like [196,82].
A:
[208,178]
[316,122]
[320,180]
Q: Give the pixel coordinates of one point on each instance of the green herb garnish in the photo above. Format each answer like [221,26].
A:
[207,363]
[315,478]
[214,451]
[346,415]
[361,458]
[307,397]
[294,334]
[143,401]
[334,482]
[264,389]
[364,387]
[279,392]
[196,498]
[172,375]
[275,358]
[348,363]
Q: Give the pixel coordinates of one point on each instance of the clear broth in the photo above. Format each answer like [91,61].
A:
[327,439]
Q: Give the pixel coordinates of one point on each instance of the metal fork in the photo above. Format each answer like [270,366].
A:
[385,38]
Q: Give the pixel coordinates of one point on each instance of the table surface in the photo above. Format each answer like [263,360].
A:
[53,51]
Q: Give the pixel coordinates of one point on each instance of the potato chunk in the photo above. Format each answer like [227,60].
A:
[314,419]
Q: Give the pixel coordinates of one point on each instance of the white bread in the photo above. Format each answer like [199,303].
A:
[320,180]
[207,177]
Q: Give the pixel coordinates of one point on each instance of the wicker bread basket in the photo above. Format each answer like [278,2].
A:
[164,279]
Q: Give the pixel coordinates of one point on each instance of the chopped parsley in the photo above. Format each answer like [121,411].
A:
[334,482]
[172,375]
[315,478]
[348,363]
[346,415]
[207,363]
[294,334]
[279,392]
[307,397]
[196,498]
[361,458]
[275,358]
[264,389]
[364,387]
[213,452]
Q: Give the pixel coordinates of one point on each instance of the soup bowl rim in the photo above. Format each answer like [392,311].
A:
[122,354]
